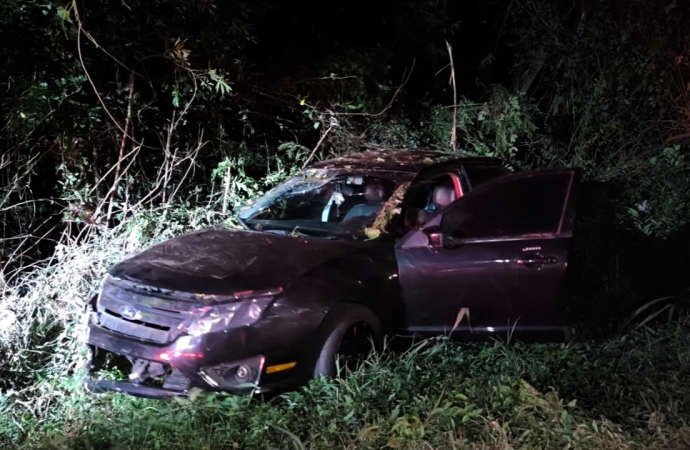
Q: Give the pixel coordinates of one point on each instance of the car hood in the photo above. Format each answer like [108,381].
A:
[220,261]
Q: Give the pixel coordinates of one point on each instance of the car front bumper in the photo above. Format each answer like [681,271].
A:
[178,366]
[134,389]
[209,362]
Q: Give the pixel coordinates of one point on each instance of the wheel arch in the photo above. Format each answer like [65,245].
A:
[337,321]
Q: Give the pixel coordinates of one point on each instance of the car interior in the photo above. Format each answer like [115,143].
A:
[432,196]
[354,198]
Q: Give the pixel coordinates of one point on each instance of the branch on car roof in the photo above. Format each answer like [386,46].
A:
[318,144]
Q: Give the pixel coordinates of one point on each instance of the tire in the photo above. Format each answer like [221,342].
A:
[338,328]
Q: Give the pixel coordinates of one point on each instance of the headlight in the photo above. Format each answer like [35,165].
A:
[211,319]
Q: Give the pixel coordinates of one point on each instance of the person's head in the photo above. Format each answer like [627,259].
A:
[374,191]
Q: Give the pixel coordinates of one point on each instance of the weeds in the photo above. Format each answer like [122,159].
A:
[439,394]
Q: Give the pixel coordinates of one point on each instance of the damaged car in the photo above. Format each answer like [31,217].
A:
[327,263]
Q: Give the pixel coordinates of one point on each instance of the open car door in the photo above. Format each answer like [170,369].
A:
[499,254]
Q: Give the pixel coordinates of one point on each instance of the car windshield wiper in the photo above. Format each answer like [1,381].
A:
[242,222]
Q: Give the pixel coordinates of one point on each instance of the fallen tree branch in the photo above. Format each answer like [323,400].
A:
[405,79]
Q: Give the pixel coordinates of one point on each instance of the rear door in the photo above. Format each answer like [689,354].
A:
[504,254]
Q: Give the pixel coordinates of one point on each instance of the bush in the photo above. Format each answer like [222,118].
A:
[659,195]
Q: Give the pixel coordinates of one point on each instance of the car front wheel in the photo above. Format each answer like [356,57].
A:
[353,331]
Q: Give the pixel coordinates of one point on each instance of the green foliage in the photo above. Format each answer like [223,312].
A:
[494,128]
[660,194]
[498,127]
[609,79]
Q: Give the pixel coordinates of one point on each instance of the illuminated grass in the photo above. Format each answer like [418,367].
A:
[629,392]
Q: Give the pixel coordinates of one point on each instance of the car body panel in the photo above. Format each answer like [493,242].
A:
[505,281]
[220,261]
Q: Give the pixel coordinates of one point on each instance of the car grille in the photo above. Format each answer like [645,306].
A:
[156,319]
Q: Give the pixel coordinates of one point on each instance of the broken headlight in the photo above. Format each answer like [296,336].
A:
[211,319]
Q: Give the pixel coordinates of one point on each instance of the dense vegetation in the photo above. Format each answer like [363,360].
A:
[127,122]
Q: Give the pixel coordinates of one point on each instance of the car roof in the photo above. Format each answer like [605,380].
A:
[410,161]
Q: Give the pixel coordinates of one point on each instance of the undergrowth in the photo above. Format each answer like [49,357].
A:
[625,393]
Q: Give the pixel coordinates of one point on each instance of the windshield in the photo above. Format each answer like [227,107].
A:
[320,202]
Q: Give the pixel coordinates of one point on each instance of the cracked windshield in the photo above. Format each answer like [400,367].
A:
[320,203]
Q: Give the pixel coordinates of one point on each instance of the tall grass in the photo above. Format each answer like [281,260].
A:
[625,393]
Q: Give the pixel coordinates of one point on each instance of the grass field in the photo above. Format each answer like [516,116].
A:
[627,392]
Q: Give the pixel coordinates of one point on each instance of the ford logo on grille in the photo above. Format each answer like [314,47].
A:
[130,313]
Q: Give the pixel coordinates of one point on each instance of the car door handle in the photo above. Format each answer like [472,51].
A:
[537,260]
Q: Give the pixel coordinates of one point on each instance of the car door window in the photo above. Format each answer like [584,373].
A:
[530,203]
[478,174]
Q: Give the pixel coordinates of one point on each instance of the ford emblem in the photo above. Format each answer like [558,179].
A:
[129,312]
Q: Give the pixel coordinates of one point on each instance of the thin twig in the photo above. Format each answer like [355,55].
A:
[227,190]
[134,151]
[169,158]
[454,130]
[405,79]
[318,144]
[679,137]
[14,254]
[117,61]
[26,202]
[28,168]
[165,170]
[88,75]
[128,122]
[192,160]
[306,80]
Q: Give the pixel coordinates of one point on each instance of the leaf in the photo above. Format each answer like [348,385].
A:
[365,432]
[64,14]
[462,397]
[295,440]
[372,233]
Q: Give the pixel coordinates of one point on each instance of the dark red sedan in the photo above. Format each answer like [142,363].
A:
[350,249]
